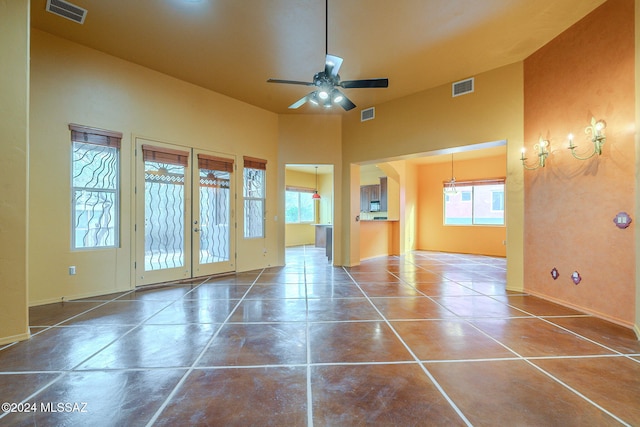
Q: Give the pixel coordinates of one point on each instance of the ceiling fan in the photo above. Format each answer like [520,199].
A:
[328,81]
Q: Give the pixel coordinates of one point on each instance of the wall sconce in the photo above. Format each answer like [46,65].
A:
[596,130]
[542,147]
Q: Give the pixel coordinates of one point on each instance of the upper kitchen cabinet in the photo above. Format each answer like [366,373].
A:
[383,194]
[370,198]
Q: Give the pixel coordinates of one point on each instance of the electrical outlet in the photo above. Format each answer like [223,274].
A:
[72,270]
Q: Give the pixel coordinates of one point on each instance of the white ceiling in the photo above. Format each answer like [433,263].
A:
[234,46]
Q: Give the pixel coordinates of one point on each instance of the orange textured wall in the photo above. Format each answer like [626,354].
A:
[569,205]
[432,234]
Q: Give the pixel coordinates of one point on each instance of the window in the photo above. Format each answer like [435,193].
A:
[475,203]
[299,205]
[254,192]
[95,176]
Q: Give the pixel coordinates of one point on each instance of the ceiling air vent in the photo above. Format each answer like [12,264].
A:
[67,10]
[367,114]
[462,87]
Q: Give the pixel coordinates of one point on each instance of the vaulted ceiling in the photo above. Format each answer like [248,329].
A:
[233,46]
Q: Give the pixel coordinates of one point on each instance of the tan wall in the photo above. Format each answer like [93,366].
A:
[586,71]
[14,183]
[314,140]
[73,84]
[433,235]
[433,120]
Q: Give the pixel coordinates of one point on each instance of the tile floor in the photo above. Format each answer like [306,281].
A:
[426,339]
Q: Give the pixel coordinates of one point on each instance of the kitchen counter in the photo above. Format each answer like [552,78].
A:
[324,237]
[379,237]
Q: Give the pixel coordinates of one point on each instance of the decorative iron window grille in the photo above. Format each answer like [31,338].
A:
[95,181]
[254,192]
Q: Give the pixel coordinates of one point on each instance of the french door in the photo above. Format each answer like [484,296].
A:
[184,212]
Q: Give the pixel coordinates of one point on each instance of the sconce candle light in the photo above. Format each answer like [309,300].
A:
[596,130]
[542,148]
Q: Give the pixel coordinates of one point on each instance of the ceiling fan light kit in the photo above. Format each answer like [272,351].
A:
[328,80]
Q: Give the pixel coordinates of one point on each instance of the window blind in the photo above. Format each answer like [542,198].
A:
[254,163]
[95,136]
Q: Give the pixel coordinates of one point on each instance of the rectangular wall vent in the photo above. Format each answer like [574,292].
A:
[462,87]
[67,10]
[367,114]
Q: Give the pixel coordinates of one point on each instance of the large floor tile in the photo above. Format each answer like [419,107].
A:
[58,348]
[341,309]
[606,333]
[115,398]
[312,344]
[411,308]
[611,382]
[258,344]
[52,314]
[194,311]
[129,312]
[448,340]
[281,291]
[514,393]
[154,346]
[14,388]
[157,293]
[270,310]
[420,276]
[478,306]
[537,306]
[333,290]
[530,337]
[281,278]
[218,291]
[374,277]
[273,396]
[388,290]
[378,395]
[355,342]
[443,289]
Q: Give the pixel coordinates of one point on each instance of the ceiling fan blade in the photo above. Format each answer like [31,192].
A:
[350,84]
[290,82]
[300,102]
[346,103]
[332,65]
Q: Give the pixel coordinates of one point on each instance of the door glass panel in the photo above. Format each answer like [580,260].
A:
[164,215]
[215,202]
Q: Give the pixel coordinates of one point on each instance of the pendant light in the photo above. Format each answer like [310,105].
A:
[450,186]
[316,196]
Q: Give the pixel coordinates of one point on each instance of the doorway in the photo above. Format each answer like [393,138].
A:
[309,204]
[185,207]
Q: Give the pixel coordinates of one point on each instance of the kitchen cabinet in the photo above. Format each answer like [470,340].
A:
[367,194]
[383,194]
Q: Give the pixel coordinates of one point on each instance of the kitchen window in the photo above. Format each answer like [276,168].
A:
[299,205]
